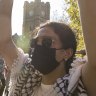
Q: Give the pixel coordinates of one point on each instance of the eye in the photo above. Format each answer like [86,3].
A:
[47,42]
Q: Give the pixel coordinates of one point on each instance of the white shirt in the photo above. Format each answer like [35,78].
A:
[45,90]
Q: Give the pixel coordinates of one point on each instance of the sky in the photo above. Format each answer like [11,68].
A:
[17,13]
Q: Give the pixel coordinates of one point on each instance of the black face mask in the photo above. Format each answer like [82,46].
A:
[43,56]
[43,59]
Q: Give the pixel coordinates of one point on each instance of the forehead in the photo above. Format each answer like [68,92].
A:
[47,32]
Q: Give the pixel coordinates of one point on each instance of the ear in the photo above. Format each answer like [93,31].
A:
[67,53]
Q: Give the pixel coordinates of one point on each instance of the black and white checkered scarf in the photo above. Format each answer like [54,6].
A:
[30,79]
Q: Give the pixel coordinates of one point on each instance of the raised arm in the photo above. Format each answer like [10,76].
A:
[7,47]
[88,20]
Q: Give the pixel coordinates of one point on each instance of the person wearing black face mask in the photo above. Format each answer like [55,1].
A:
[51,54]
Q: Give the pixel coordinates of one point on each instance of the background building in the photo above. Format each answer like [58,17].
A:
[35,13]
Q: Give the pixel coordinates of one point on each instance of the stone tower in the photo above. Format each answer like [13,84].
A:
[35,13]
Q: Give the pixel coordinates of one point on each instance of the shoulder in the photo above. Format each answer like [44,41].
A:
[68,83]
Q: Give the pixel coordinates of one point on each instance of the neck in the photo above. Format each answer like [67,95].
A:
[89,78]
[51,78]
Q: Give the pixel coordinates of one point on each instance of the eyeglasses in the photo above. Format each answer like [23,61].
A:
[46,42]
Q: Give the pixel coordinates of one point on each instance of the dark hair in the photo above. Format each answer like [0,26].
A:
[67,38]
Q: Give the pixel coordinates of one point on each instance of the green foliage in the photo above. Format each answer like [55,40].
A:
[73,12]
[23,42]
